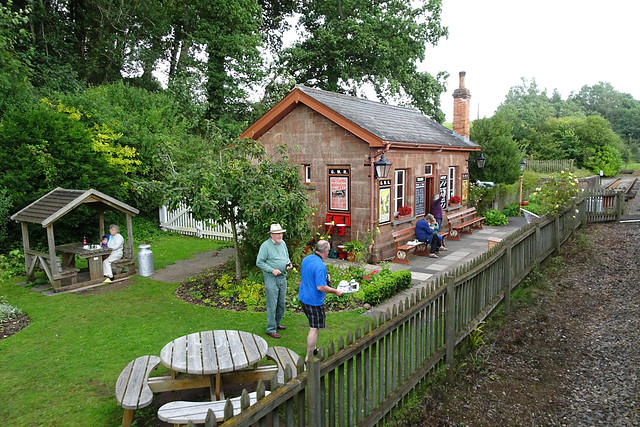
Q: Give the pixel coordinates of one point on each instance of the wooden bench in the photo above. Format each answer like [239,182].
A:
[44,261]
[183,412]
[127,261]
[400,239]
[462,222]
[132,388]
[283,357]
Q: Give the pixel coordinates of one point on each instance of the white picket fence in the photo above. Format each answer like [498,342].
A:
[181,221]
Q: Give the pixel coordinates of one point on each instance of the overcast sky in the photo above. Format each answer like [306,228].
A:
[563,44]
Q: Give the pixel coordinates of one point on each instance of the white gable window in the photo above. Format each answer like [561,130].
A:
[307,173]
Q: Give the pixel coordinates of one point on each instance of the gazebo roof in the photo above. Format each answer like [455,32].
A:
[57,203]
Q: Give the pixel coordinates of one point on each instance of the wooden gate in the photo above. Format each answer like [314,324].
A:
[181,221]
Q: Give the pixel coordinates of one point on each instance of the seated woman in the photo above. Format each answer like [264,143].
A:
[116,243]
[426,234]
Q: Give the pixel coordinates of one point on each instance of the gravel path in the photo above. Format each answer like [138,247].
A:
[569,356]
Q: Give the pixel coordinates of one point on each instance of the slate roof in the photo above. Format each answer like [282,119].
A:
[388,122]
[60,201]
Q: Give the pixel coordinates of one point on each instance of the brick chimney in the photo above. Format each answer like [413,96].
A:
[461,98]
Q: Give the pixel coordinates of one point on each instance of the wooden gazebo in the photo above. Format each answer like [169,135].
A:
[53,206]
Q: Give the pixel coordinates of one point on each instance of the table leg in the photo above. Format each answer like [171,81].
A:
[68,260]
[215,386]
[95,267]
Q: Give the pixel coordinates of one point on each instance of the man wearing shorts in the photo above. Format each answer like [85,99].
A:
[313,287]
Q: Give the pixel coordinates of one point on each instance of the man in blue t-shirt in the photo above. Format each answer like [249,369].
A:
[313,287]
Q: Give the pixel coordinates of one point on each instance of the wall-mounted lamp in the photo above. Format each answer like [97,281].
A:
[481,160]
[382,167]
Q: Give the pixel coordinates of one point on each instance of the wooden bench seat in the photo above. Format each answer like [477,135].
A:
[284,356]
[42,260]
[127,261]
[462,222]
[400,239]
[183,412]
[132,388]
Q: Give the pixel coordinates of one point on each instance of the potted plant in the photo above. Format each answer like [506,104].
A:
[454,200]
[404,212]
[354,249]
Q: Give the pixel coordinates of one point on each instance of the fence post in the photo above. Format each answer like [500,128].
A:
[450,327]
[538,245]
[619,200]
[559,233]
[314,393]
[508,277]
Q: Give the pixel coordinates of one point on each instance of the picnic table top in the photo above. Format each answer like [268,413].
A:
[213,352]
[77,249]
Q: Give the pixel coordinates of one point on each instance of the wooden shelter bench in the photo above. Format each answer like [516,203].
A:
[184,412]
[132,388]
[127,261]
[462,222]
[400,239]
[285,357]
[44,260]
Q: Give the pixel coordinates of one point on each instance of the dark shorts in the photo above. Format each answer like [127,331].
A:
[315,314]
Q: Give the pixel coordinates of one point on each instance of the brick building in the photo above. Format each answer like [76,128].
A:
[337,138]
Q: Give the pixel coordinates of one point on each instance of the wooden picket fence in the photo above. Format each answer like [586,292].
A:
[181,221]
[551,165]
[365,378]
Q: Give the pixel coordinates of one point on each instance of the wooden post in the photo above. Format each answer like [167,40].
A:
[101,225]
[450,327]
[53,259]
[314,393]
[538,245]
[619,201]
[130,236]
[25,247]
[559,233]
[508,277]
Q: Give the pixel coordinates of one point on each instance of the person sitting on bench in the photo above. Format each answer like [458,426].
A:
[425,234]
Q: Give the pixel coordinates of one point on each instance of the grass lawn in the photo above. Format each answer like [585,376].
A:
[61,370]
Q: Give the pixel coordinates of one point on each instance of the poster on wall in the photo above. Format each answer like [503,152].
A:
[443,191]
[465,189]
[384,207]
[420,195]
[339,193]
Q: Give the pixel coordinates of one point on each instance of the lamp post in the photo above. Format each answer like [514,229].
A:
[523,166]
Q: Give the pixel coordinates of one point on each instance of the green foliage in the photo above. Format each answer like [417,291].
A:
[554,194]
[511,210]
[11,264]
[383,285]
[494,134]
[606,159]
[344,45]
[481,197]
[495,217]
[5,218]
[7,311]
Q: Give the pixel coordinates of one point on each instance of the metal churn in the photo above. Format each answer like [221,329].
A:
[145,261]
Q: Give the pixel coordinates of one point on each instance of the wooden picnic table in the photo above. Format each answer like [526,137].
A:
[93,256]
[213,353]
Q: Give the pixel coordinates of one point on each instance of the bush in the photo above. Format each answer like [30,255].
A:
[8,312]
[495,217]
[12,264]
[555,193]
[511,210]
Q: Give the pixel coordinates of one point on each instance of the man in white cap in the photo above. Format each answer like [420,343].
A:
[273,260]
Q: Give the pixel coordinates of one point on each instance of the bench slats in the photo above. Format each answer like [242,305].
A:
[283,356]
[182,412]
[132,390]
[462,222]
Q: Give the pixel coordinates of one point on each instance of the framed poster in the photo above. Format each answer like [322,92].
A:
[339,193]
[384,205]
[465,188]
[420,195]
[443,191]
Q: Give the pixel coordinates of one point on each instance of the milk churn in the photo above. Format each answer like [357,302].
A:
[145,261]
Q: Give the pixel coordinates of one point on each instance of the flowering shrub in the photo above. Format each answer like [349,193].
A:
[404,210]
[454,200]
[554,194]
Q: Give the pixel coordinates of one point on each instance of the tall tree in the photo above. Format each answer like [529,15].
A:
[347,43]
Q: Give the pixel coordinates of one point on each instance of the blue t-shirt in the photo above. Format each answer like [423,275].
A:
[313,273]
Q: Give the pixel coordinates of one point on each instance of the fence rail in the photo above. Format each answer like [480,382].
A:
[551,165]
[181,221]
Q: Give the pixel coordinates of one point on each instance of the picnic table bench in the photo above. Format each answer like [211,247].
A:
[463,221]
[403,248]
[132,388]
[284,357]
[127,261]
[44,260]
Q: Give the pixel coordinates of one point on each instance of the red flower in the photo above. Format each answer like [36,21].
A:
[404,210]
[454,200]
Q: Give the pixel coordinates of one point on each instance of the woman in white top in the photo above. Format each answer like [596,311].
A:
[116,243]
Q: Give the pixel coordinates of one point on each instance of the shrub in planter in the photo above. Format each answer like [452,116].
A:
[495,217]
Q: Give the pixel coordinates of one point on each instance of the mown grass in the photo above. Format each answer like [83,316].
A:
[61,370]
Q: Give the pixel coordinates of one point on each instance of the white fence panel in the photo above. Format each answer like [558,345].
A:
[181,221]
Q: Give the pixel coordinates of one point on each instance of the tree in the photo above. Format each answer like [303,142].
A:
[494,134]
[346,44]
[235,181]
